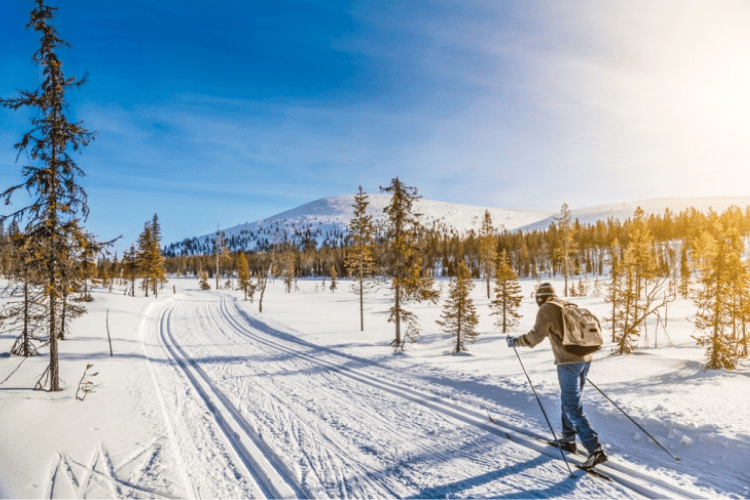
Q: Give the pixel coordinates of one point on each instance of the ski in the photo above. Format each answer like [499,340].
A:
[552,443]
[595,473]
[591,471]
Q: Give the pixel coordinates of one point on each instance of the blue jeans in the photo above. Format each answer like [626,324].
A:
[572,379]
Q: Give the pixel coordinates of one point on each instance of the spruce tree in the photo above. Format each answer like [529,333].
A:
[684,286]
[25,307]
[130,270]
[359,261]
[718,251]
[150,259]
[459,316]
[203,280]
[332,273]
[243,275]
[59,201]
[508,295]
[403,262]
[487,249]
[615,285]
[637,291]
[567,243]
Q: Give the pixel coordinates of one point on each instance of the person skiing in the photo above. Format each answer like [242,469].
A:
[571,373]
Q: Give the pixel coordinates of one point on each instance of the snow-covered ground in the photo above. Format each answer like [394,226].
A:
[204,397]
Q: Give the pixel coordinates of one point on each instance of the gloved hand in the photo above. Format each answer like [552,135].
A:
[512,341]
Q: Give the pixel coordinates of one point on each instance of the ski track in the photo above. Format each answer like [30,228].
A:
[243,451]
[644,484]
[270,415]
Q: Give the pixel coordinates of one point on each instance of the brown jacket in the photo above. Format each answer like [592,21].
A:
[549,322]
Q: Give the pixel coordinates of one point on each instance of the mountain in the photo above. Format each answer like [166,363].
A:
[623,211]
[325,221]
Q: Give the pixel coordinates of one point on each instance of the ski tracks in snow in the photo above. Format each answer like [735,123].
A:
[255,412]
[137,475]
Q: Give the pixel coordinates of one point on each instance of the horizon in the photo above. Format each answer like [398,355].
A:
[621,210]
[233,112]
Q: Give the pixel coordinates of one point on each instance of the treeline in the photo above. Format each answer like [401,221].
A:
[646,261]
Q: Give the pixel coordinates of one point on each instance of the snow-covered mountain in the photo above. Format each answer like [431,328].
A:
[326,220]
[625,210]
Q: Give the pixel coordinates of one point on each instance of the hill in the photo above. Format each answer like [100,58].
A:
[325,221]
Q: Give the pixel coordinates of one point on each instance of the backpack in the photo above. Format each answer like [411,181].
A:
[582,332]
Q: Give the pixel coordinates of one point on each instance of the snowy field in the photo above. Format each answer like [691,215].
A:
[204,397]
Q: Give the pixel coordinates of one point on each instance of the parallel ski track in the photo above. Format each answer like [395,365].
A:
[636,481]
[324,440]
[261,463]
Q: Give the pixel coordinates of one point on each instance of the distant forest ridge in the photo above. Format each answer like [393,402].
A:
[325,222]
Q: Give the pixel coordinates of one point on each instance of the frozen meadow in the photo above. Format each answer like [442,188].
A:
[204,397]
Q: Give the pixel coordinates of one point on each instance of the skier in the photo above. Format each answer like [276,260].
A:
[571,373]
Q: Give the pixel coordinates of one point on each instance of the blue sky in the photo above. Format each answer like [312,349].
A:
[228,111]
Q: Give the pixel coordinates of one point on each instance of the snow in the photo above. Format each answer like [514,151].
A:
[657,206]
[327,219]
[205,397]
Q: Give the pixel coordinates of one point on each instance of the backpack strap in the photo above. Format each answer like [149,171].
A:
[562,304]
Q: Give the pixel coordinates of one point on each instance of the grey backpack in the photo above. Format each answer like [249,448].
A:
[583,333]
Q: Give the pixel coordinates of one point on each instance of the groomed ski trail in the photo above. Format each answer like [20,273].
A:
[261,413]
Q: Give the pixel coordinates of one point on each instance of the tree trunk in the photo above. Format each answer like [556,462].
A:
[61,334]
[26,349]
[361,301]
[397,315]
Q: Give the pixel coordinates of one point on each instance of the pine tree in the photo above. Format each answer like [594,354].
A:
[219,253]
[243,275]
[25,308]
[58,198]
[288,261]
[332,273]
[459,316]
[597,291]
[203,280]
[403,262]
[487,249]
[717,252]
[684,286]
[359,261]
[130,270]
[508,295]
[150,259]
[567,243]
[637,291]
[615,285]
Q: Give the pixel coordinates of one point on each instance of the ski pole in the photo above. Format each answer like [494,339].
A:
[636,423]
[549,424]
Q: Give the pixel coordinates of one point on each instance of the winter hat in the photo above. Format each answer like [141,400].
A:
[544,292]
